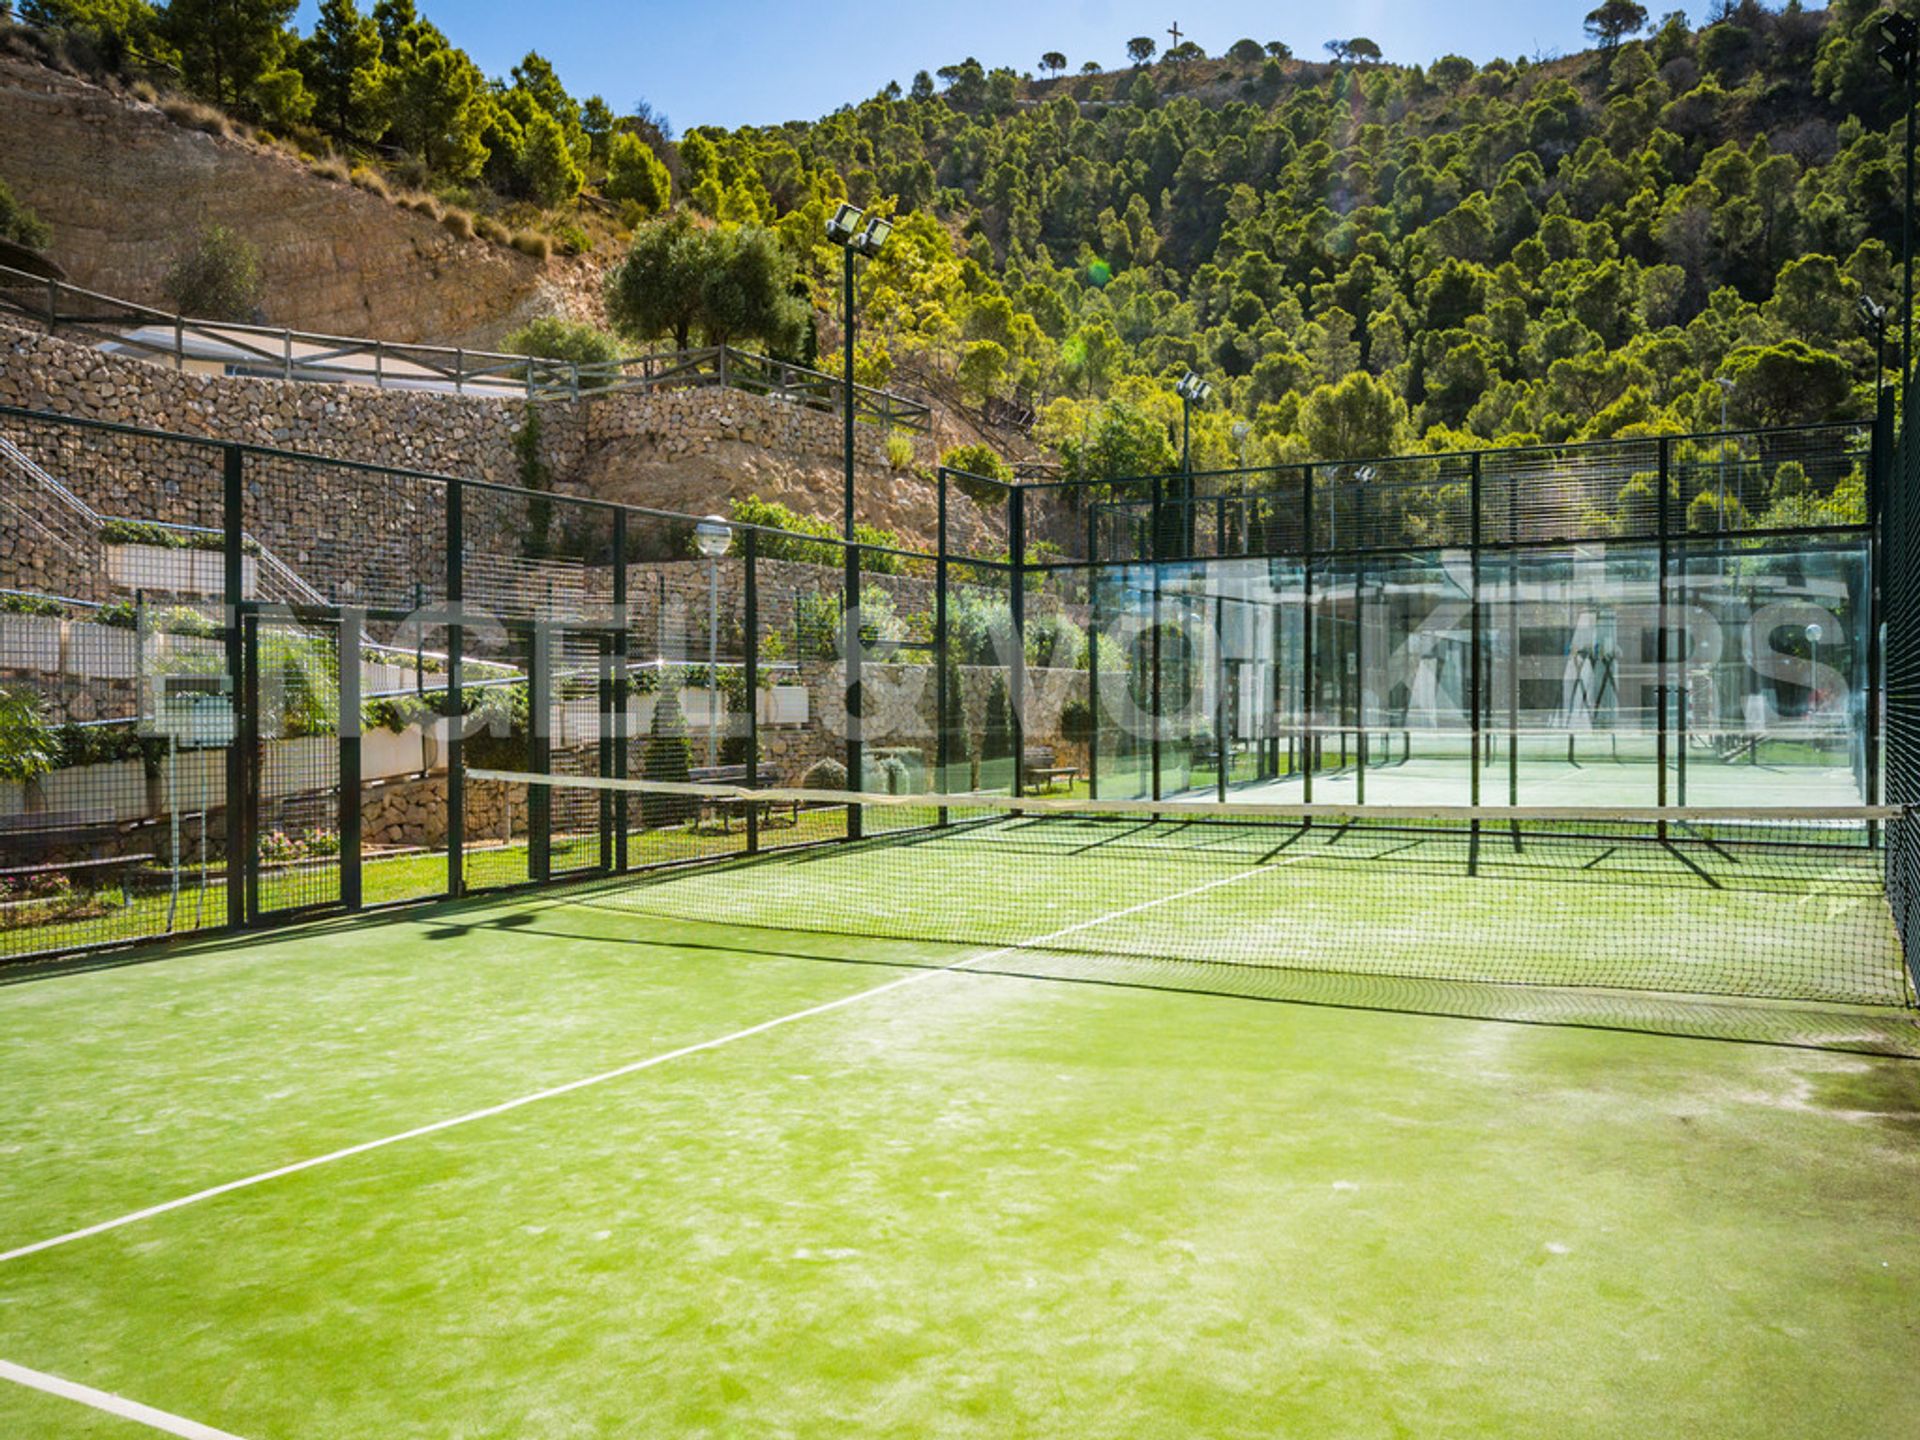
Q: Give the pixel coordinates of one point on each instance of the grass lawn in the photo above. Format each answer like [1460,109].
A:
[972,1204]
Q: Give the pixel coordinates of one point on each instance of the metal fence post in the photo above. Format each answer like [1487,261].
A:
[1017,608]
[1093,653]
[540,747]
[1662,641]
[455,714]
[1476,643]
[750,656]
[239,758]
[352,621]
[942,738]
[1309,732]
[1155,548]
[621,687]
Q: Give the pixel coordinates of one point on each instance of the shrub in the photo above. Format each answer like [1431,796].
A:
[1076,724]
[216,277]
[332,167]
[899,451]
[491,229]
[28,748]
[168,537]
[421,203]
[195,116]
[459,222]
[772,515]
[982,461]
[143,91]
[893,775]
[573,240]
[824,775]
[21,225]
[552,337]
[31,605]
[636,176]
[529,243]
[371,181]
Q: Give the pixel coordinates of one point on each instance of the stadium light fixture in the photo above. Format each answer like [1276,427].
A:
[843,224]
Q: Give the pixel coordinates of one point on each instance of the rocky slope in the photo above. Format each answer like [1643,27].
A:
[123,187]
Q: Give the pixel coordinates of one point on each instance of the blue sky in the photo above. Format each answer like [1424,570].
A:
[737,62]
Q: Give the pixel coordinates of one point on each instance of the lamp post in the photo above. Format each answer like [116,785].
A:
[1720,500]
[714,537]
[1899,53]
[1192,391]
[1874,315]
[1815,634]
[856,234]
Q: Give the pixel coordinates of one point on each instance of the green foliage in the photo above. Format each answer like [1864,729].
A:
[341,61]
[637,175]
[216,277]
[982,460]
[41,605]
[773,516]
[167,537]
[552,337]
[27,743]
[234,52]
[21,225]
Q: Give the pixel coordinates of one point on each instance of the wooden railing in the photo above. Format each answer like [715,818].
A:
[266,352]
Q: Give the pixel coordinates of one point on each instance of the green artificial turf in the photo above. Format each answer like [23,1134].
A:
[971,1205]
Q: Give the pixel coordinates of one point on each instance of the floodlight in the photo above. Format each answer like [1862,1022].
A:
[873,236]
[844,221]
[713,536]
[1193,388]
[1899,38]
[1365,474]
[1726,385]
[1871,310]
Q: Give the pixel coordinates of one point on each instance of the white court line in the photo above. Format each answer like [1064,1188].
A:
[634,1068]
[113,1404]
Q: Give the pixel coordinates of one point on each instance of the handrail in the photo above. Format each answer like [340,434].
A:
[281,353]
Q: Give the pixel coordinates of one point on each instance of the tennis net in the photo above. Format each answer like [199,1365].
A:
[1786,903]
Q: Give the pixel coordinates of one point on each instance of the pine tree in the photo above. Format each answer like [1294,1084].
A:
[341,62]
[996,741]
[953,725]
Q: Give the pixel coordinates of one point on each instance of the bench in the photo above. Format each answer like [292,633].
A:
[1039,771]
[726,809]
[27,843]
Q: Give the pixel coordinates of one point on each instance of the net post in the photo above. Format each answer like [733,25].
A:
[540,748]
[1662,658]
[750,644]
[604,748]
[942,740]
[1156,550]
[1017,608]
[621,687]
[1359,665]
[239,841]
[352,620]
[1309,732]
[1476,643]
[456,707]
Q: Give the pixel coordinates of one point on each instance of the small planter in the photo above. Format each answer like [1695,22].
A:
[384,754]
[783,705]
[177,572]
[118,788]
[702,707]
[30,642]
[102,652]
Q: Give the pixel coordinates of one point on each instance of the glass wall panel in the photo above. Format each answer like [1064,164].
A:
[1773,674]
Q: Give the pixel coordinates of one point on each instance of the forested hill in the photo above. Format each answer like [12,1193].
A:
[1372,256]
[1364,256]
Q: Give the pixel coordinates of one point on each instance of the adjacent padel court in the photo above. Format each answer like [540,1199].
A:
[840,1140]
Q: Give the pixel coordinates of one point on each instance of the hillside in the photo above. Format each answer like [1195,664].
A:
[1362,256]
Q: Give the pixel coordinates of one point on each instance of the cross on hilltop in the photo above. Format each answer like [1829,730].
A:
[1174,31]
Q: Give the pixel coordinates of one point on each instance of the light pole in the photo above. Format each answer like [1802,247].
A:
[1814,636]
[714,537]
[1874,315]
[1899,53]
[1720,501]
[856,234]
[1192,391]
